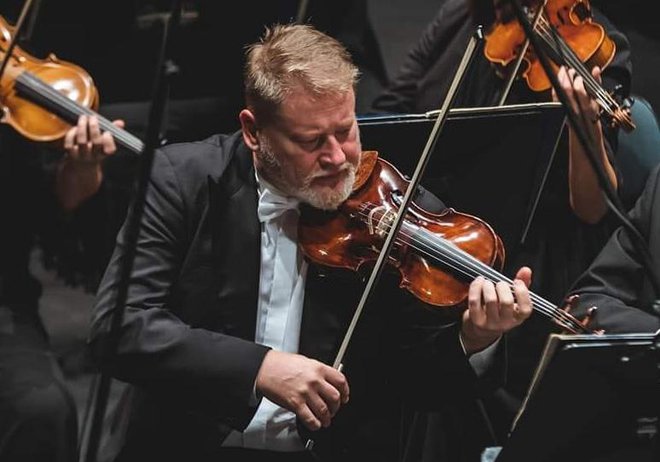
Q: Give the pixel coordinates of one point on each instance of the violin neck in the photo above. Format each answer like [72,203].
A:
[466,266]
[42,94]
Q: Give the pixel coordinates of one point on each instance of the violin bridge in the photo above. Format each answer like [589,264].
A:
[380,225]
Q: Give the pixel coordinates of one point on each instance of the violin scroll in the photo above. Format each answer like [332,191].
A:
[569,305]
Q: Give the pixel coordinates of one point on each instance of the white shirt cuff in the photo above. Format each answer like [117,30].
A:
[481,360]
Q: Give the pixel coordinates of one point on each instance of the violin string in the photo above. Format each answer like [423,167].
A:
[552,38]
[590,83]
[70,105]
[466,265]
[482,269]
[35,84]
[77,109]
[561,48]
[479,268]
[602,97]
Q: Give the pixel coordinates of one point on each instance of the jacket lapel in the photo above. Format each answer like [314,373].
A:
[330,296]
[235,238]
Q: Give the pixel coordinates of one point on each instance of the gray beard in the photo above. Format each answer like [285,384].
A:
[320,198]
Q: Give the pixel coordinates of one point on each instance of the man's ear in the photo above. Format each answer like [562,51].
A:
[249,129]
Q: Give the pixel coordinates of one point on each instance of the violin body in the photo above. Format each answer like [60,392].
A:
[28,118]
[570,37]
[352,237]
[42,98]
[586,38]
[572,20]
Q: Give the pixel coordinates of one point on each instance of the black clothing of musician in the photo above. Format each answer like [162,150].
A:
[189,348]
[618,284]
[228,330]
[607,423]
[38,420]
[616,281]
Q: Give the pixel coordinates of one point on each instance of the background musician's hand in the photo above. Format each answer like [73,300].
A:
[79,174]
[85,143]
[581,102]
[585,195]
[312,390]
[494,309]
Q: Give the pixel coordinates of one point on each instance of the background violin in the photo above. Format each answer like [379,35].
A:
[41,98]
[571,38]
[437,255]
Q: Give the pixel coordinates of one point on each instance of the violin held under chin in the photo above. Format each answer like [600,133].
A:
[437,255]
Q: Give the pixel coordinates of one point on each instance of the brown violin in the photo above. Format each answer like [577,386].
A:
[41,98]
[571,38]
[437,255]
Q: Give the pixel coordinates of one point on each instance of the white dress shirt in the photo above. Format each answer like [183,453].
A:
[281,296]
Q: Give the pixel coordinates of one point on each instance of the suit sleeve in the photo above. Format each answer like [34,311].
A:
[616,282]
[201,371]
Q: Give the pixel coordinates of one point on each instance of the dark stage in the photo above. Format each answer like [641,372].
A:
[117,42]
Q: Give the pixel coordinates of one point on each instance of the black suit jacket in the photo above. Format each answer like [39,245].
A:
[595,410]
[617,282]
[187,335]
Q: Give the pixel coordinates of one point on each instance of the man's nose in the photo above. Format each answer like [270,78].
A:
[333,155]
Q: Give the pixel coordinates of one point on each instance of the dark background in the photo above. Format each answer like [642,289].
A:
[117,42]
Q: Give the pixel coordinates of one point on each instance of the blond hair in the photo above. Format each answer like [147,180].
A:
[292,56]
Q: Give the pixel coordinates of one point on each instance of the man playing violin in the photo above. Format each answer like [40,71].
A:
[228,330]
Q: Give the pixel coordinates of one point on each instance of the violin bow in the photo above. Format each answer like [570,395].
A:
[519,59]
[412,187]
[14,39]
[31,22]
[302,11]
[405,202]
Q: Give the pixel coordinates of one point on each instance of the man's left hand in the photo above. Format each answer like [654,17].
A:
[494,309]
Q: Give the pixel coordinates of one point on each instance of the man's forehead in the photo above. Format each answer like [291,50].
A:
[318,118]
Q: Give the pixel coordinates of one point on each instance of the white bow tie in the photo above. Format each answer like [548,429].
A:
[271,205]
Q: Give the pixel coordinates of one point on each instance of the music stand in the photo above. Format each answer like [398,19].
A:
[490,162]
[592,398]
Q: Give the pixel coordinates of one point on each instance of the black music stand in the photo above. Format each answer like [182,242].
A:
[490,162]
[593,398]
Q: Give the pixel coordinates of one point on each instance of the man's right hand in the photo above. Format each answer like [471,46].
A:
[312,390]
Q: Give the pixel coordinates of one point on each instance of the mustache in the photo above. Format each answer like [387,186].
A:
[320,173]
[345,167]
